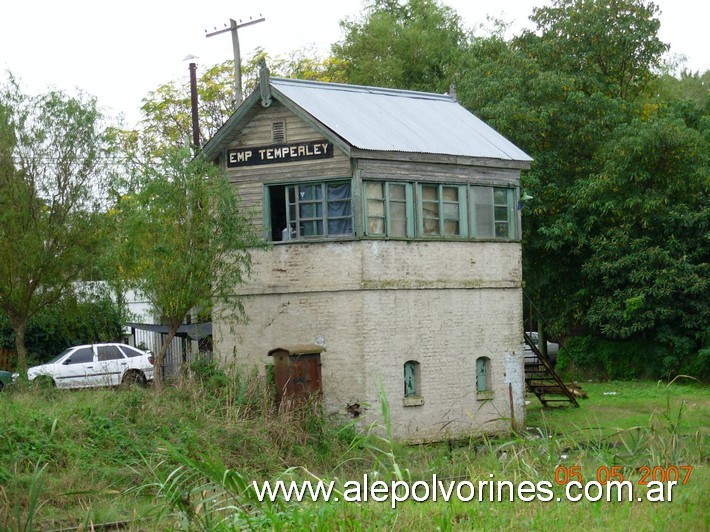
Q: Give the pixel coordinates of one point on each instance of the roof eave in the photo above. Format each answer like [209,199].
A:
[442,158]
[217,143]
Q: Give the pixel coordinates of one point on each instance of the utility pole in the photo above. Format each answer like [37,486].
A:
[193,103]
[233,27]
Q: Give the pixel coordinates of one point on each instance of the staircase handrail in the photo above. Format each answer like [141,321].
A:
[545,362]
[552,333]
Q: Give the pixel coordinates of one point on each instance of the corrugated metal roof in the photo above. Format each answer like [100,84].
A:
[371,118]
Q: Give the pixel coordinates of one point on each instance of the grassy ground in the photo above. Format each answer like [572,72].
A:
[76,459]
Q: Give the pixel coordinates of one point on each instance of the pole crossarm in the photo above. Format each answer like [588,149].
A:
[234,27]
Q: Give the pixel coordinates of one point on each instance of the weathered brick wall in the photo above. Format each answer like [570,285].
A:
[445,331]
[376,305]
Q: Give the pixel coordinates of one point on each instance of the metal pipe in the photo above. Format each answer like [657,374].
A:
[237,62]
[193,104]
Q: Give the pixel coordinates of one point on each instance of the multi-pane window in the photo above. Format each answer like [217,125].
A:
[494,213]
[430,209]
[311,210]
[387,209]
[305,210]
[438,210]
[503,212]
[391,210]
[442,210]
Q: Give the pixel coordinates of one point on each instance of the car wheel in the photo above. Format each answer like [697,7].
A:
[45,381]
[134,378]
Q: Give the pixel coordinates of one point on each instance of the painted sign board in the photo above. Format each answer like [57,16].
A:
[280,153]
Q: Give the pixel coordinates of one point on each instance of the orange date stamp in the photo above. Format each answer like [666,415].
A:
[678,474]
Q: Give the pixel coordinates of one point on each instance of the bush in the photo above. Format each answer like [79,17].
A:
[634,359]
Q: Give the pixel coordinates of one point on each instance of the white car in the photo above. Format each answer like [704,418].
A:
[87,366]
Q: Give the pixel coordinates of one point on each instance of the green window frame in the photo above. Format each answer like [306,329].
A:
[442,210]
[483,374]
[493,212]
[309,210]
[388,209]
[393,209]
[412,378]
[504,212]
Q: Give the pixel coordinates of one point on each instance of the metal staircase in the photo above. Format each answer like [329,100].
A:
[540,377]
[542,380]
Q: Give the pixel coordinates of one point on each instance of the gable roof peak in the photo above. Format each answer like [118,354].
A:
[378,120]
[363,89]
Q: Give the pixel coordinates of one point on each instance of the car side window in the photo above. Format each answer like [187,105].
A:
[109,352]
[131,352]
[81,356]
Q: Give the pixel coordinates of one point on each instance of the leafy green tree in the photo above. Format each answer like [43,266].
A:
[167,115]
[559,92]
[688,86]
[184,239]
[646,212]
[73,320]
[305,63]
[54,149]
[610,46]
[616,234]
[542,112]
[415,45]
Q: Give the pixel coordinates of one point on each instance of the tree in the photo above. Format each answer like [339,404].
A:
[416,46]
[184,239]
[167,116]
[648,219]
[305,63]
[612,44]
[54,149]
[559,92]
[544,113]
[615,237]
[73,320]
[688,86]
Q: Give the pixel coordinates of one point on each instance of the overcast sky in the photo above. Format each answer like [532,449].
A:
[119,51]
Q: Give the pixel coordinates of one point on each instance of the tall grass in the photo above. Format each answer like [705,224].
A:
[17,510]
[220,497]
[205,494]
[377,441]
[185,459]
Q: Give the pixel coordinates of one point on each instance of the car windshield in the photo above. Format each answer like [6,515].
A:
[59,356]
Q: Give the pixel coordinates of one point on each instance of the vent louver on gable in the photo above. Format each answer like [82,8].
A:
[278,132]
